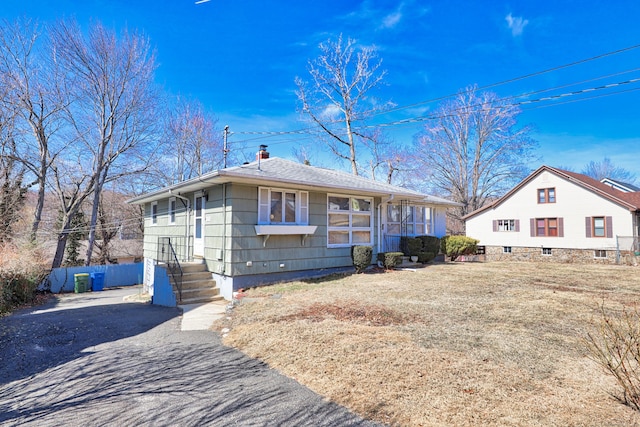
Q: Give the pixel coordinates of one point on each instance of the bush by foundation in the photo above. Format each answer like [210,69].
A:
[361,257]
[390,259]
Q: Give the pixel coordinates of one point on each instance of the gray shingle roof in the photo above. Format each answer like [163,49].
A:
[275,170]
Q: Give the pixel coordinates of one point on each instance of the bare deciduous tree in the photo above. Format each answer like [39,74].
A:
[386,156]
[606,169]
[473,150]
[114,106]
[12,176]
[193,144]
[338,98]
[30,76]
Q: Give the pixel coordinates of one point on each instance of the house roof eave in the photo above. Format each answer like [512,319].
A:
[194,184]
[564,174]
[295,175]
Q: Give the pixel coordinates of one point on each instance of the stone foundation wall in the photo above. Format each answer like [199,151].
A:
[578,256]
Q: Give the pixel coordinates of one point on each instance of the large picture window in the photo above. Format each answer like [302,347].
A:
[349,221]
[279,206]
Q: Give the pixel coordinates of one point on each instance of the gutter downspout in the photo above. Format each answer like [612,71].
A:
[187,228]
[224,228]
[391,196]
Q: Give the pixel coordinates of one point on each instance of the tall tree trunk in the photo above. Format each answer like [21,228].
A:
[101,173]
[37,215]
[62,241]
[352,146]
[92,224]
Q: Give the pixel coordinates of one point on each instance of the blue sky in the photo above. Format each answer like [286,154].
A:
[240,58]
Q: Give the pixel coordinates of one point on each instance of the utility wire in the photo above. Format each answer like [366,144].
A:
[311,131]
[419,119]
[515,79]
[513,104]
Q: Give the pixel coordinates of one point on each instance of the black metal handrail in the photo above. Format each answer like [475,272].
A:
[167,255]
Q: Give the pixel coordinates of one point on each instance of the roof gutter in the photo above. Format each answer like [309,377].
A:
[148,197]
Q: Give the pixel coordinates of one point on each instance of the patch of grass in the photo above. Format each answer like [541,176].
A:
[350,311]
[460,344]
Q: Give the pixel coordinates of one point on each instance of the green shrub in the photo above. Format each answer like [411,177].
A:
[460,245]
[430,244]
[361,257]
[414,245]
[443,244]
[410,246]
[425,257]
[390,259]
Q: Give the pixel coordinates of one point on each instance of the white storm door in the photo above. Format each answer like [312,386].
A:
[198,226]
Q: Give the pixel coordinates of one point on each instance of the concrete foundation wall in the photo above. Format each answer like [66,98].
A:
[579,256]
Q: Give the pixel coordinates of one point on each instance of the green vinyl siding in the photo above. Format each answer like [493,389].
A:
[237,240]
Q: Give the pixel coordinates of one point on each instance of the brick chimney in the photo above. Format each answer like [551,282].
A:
[263,153]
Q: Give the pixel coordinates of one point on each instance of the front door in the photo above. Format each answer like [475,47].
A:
[198,226]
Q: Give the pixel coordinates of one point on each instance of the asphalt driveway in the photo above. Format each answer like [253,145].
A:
[94,359]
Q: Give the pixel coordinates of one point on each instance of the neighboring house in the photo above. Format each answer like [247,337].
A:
[274,219]
[558,215]
[619,185]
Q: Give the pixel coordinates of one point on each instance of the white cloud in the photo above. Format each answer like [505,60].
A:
[516,24]
[330,111]
[391,20]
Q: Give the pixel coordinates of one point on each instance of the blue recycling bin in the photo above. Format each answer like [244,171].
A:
[97,281]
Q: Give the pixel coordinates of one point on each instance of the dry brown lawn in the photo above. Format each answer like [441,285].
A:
[461,344]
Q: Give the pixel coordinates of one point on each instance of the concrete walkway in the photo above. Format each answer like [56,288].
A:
[200,317]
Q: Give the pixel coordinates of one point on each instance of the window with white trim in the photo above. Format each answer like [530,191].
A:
[415,221]
[599,253]
[172,210]
[154,213]
[281,206]
[506,249]
[349,221]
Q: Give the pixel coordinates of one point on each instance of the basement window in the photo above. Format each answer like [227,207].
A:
[506,249]
[546,251]
[599,253]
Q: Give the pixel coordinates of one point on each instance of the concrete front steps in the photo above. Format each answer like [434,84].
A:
[197,285]
[407,263]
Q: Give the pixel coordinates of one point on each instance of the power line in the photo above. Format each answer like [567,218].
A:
[515,79]
[514,104]
[261,135]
